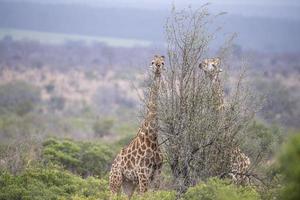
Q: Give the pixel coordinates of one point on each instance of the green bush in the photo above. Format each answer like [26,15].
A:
[290,168]
[84,158]
[215,189]
[18,97]
[151,195]
[163,195]
[42,182]
[50,182]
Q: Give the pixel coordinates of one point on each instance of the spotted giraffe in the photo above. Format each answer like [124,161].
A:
[211,68]
[141,161]
[239,162]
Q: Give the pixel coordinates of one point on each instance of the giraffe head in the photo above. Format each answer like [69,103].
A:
[211,67]
[158,64]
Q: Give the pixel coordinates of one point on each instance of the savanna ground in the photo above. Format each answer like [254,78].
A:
[66,109]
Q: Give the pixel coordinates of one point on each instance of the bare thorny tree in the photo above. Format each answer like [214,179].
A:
[190,128]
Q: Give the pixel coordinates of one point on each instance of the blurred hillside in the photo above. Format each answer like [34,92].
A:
[108,79]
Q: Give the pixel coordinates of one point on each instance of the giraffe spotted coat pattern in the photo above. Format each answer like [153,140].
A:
[239,162]
[141,161]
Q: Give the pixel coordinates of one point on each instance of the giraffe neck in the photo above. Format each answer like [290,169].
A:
[217,94]
[149,126]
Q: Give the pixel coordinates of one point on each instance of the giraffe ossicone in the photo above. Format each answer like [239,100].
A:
[141,161]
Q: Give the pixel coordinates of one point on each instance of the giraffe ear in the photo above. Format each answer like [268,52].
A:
[155,56]
[163,57]
[218,60]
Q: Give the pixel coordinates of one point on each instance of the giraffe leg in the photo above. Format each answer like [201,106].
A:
[128,188]
[115,181]
[156,177]
[233,177]
[143,181]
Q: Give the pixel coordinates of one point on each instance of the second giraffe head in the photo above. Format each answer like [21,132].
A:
[211,67]
[158,64]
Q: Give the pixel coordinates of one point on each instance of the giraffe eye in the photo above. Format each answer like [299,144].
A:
[162,63]
[152,63]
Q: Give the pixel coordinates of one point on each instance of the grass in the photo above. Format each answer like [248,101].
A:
[59,38]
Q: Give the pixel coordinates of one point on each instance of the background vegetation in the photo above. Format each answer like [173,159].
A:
[67,108]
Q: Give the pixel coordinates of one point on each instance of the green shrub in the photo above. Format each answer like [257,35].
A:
[84,158]
[163,195]
[290,168]
[215,189]
[151,195]
[50,182]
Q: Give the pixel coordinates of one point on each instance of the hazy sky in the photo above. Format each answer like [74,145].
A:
[144,3]
[264,8]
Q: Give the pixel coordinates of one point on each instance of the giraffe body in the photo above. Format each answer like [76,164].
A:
[239,167]
[140,162]
[239,162]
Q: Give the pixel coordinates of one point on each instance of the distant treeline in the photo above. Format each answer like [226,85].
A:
[72,54]
[273,75]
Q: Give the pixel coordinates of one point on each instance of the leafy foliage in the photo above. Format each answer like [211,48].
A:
[165,195]
[290,167]
[215,189]
[50,182]
[84,158]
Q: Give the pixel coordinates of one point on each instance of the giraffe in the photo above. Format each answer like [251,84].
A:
[211,68]
[141,161]
[239,163]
